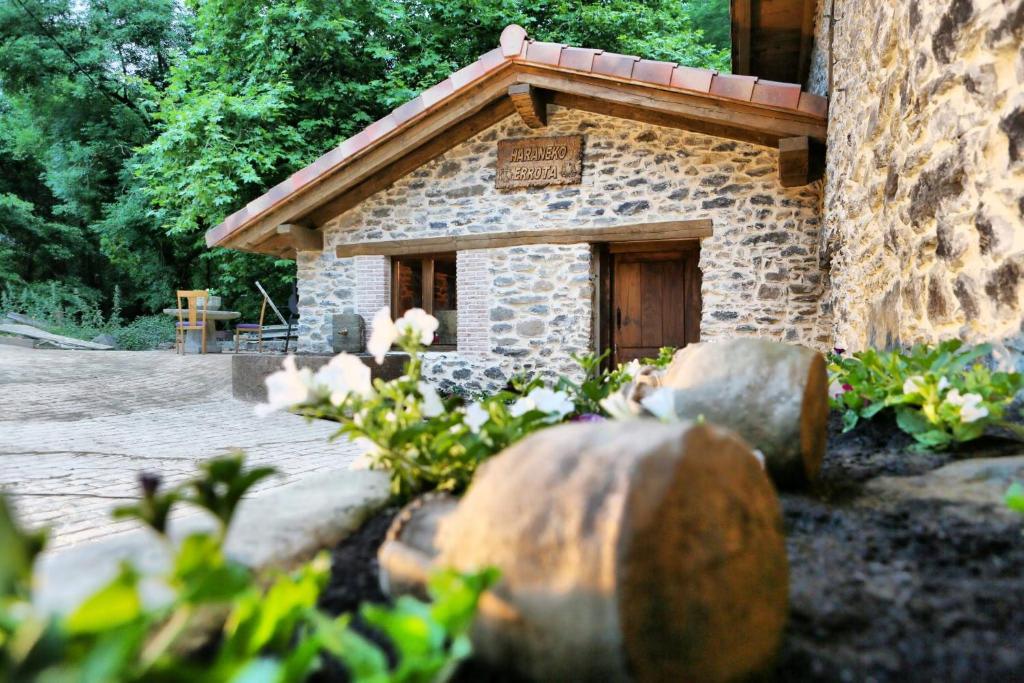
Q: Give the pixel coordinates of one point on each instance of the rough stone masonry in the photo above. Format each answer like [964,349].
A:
[529,308]
[924,194]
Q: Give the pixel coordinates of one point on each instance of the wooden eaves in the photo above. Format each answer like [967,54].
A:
[520,76]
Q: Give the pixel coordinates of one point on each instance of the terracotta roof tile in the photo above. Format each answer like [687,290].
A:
[492,59]
[436,93]
[467,74]
[688,78]
[544,53]
[614,64]
[772,93]
[380,128]
[409,109]
[578,58]
[733,87]
[515,46]
[512,39]
[649,71]
[813,104]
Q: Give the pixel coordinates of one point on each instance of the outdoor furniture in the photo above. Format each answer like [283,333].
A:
[253,328]
[202,338]
[194,322]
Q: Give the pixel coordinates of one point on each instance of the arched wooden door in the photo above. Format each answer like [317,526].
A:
[655,298]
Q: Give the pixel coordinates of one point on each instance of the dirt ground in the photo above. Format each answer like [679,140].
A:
[880,589]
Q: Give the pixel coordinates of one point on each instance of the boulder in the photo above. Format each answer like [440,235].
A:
[105,339]
[628,550]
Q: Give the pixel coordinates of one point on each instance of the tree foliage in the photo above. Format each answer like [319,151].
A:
[130,127]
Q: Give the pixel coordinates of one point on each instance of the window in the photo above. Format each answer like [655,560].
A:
[427,282]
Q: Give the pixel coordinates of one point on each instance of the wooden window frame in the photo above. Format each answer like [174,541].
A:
[427,283]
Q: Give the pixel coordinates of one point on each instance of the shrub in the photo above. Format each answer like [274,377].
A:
[940,394]
[145,332]
[426,441]
[273,630]
[73,311]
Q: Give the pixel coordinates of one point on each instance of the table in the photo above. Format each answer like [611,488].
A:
[193,340]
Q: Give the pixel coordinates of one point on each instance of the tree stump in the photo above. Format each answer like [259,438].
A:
[629,550]
[774,395]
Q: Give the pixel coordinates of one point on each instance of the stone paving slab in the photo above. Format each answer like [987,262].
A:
[275,529]
[76,428]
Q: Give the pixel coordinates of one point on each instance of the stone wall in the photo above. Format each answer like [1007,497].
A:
[761,273]
[924,198]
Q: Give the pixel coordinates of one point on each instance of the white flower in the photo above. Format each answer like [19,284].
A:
[553,403]
[345,374]
[476,417]
[914,385]
[383,334]
[631,369]
[432,404]
[970,410]
[661,403]
[835,390]
[521,406]
[286,388]
[619,407]
[943,383]
[419,322]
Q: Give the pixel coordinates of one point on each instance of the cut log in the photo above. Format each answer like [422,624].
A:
[628,550]
[774,395]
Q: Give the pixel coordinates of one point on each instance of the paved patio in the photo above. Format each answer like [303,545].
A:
[76,428]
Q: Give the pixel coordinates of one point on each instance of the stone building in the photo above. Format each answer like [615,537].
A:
[549,200]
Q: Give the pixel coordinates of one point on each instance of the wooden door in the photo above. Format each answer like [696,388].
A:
[655,300]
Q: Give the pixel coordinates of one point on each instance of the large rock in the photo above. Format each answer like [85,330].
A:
[977,482]
[629,550]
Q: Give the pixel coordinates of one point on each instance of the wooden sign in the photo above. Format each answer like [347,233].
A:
[529,162]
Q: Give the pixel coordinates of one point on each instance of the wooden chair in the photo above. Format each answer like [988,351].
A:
[250,328]
[195,320]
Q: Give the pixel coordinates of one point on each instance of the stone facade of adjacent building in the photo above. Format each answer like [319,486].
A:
[924,194]
[529,308]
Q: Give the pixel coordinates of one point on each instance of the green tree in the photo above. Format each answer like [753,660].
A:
[130,127]
[712,18]
[72,109]
[269,86]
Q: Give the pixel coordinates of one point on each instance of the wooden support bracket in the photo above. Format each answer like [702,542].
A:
[794,161]
[530,104]
[301,237]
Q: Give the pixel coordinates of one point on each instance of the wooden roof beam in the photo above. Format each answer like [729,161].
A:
[742,21]
[302,238]
[660,231]
[801,161]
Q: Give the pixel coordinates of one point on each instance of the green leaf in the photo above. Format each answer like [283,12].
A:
[18,550]
[1015,497]
[115,605]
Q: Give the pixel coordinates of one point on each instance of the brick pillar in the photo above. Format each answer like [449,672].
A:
[373,286]
[474,279]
